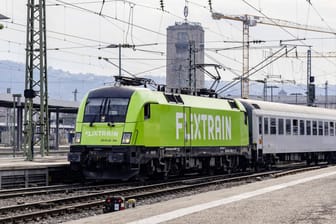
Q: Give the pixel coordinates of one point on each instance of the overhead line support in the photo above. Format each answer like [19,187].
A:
[36,119]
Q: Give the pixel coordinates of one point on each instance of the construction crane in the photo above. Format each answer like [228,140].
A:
[250,20]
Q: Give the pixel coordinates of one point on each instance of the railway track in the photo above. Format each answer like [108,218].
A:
[51,208]
[71,188]
[55,189]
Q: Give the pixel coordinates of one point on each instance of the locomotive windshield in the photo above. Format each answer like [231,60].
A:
[106,109]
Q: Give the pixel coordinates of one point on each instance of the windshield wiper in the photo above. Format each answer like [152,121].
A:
[110,122]
[95,116]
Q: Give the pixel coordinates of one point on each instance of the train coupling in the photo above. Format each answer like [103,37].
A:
[118,203]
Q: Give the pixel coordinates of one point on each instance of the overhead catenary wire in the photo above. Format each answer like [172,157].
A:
[107,16]
[270,19]
[256,68]
[111,19]
[74,35]
[77,43]
[317,12]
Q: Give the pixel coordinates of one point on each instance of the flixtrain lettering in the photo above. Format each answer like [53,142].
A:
[203,127]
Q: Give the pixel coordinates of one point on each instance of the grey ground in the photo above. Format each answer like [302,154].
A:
[312,202]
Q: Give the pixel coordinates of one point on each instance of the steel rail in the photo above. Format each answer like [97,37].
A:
[76,203]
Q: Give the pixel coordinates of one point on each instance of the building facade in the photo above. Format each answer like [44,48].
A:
[185,49]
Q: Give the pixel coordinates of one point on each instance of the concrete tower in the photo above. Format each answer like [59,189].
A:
[185,48]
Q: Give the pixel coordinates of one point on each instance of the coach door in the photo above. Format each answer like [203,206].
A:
[260,136]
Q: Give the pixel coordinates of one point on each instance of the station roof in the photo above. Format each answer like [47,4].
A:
[63,106]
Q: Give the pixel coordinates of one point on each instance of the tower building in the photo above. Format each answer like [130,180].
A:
[185,49]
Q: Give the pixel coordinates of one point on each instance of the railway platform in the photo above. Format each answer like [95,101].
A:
[308,197]
[17,172]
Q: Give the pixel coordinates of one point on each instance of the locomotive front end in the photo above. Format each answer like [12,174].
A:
[102,148]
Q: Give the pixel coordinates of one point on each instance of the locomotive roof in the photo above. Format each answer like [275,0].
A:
[113,91]
[196,101]
[161,97]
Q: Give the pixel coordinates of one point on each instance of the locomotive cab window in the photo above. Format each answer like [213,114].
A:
[147,111]
[106,109]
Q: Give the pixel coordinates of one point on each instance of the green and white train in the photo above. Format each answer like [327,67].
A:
[129,132]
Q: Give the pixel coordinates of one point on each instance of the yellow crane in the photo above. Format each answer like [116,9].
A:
[251,20]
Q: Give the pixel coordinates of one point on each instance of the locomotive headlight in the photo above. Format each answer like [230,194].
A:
[126,138]
[78,136]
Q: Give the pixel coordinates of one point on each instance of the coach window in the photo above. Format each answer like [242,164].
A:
[308,127]
[288,127]
[295,127]
[314,127]
[266,125]
[302,127]
[331,126]
[320,128]
[281,126]
[273,126]
[326,128]
[260,125]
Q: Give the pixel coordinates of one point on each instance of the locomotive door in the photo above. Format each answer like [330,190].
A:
[187,134]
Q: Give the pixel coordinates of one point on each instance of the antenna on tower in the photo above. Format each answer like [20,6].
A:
[185,12]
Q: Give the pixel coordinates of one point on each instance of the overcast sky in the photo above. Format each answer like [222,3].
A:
[78,32]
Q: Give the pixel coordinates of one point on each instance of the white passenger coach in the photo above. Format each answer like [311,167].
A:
[291,132]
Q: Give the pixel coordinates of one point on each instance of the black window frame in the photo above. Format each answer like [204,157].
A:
[104,114]
[288,125]
[281,130]
[302,127]
[326,128]
[266,126]
[273,126]
[332,128]
[308,127]
[295,125]
[314,128]
[260,125]
[320,128]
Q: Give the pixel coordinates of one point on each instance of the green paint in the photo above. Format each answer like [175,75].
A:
[200,121]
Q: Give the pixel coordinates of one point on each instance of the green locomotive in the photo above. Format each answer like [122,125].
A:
[126,132]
